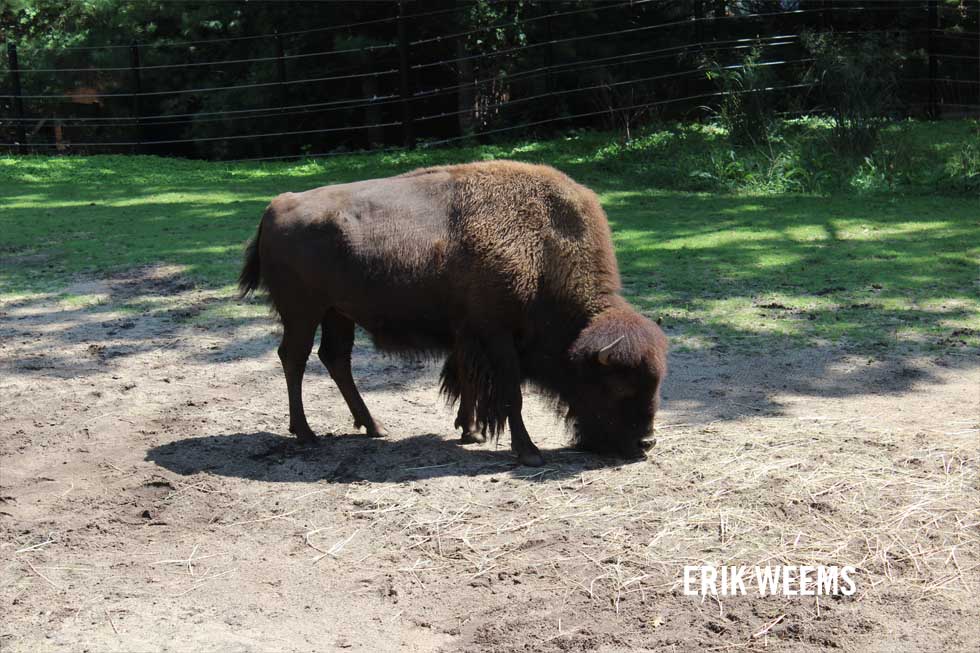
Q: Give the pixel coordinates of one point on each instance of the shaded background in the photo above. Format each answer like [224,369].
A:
[234,80]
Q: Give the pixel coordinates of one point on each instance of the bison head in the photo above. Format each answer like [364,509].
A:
[620,360]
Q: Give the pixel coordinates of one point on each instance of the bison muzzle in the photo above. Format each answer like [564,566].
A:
[506,269]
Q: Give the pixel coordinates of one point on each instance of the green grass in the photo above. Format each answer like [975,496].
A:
[888,260]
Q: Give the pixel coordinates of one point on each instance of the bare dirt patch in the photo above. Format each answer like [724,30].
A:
[151,500]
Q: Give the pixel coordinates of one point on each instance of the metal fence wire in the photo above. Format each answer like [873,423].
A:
[417,77]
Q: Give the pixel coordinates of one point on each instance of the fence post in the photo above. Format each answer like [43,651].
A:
[134,64]
[933,62]
[720,12]
[281,70]
[549,82]
[406,90]
[18,100]
[699,22]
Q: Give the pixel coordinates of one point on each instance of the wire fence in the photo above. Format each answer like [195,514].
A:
[419,79]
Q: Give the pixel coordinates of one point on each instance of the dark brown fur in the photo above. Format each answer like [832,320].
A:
[506,267]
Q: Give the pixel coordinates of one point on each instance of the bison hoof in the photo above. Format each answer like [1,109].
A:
[305,436]
[530,458]
[373,430]
[377,432]
[472,437]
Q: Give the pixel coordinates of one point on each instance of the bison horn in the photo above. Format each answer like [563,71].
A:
[605,351]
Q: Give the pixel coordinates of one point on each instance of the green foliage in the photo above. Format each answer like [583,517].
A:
[504,21]
[746,111]
[910,157]
[857,81]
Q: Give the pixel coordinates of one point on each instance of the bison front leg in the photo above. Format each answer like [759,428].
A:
[520,441]
[507,376]
[336,343]
[466,419]
[457,383]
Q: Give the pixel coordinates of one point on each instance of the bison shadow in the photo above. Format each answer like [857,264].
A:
[263,456]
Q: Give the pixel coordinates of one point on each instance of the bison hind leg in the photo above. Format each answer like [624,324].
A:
[297,342]
[336,344]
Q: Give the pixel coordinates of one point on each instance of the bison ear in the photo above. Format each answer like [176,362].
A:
[605,352]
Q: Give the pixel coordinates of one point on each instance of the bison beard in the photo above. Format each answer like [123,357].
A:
[506,268]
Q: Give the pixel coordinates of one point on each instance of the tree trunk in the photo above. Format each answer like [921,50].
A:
[466,94]
[369,89]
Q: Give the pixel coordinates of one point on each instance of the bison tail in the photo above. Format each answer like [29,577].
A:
[250,277]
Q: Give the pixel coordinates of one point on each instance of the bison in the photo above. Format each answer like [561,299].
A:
[506,269]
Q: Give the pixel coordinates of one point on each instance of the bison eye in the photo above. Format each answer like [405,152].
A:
[620,389]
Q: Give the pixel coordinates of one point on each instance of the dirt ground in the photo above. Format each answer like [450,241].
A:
[152,500]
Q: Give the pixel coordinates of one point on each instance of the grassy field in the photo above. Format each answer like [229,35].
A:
[722,245]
